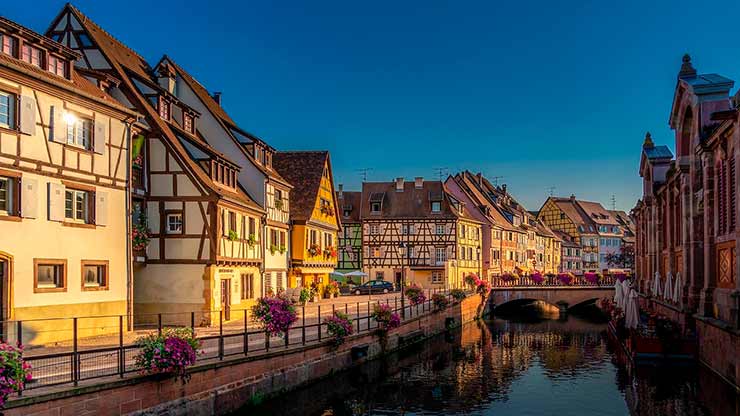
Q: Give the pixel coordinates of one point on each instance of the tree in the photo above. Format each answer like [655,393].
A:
[624,259]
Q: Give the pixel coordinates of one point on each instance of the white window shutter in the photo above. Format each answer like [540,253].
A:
[27,120]
[99,137]
[58,126]
[56,202]
[101,208]
[29,198]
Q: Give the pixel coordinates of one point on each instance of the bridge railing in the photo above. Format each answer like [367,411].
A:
[552,281]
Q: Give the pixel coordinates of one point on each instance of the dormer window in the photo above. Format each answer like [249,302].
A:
[436,206]
[8,44]
[57,66]
[164,108]
[32,55]
[258,154]
[268,160]
[187,123]
[375,207]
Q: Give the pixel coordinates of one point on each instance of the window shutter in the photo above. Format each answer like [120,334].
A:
[99,137]
[58,126]
[101,208]
[27,120]
[56,202]
[29,198]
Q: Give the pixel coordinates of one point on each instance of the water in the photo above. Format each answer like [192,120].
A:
[528,365]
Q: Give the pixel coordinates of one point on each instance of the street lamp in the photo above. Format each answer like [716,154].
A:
[403,251]
[480,272]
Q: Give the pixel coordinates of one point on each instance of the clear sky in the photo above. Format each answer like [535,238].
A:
[542,93]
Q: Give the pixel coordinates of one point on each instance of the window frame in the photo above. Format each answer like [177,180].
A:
[73,128]
[438,205]
[33,52]
[12,194]
[49,262]
[12,45]
[89,207]
[174,212]
[247,289]
[12,114]
[95,263]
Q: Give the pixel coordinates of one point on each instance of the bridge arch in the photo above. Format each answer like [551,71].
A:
[564,297]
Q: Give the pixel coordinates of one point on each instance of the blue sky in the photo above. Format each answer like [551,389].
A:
[543,93]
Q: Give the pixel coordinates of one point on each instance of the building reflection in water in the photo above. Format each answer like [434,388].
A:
[502,367]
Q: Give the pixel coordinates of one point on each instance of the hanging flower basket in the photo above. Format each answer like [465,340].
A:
[14,371]
[339,326]
[458,294]
[274,314]
[537,278]
[440,301]
[171,352]
[471,280]
[140,234]
[592,278]
[566,278]
[314,250]
[483,287]
[415,294]
[385,317]
[509,277]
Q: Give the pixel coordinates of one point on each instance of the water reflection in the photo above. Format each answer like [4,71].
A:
[558,367]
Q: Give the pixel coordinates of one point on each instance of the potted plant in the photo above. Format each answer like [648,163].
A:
[251,240]
[470,280]
[315,289]
[537,278]
[457,294]
[339,326]
[314,250]
[331,290]
[304,296]
[273,248]
[566,278]
[282,249]
[171,352]
[385,317]
[14,371]
[275,314]
[233,236]
[279,204]
[415,294]
[592,278]
[140,234]
[509,277]
[483,287]
[440,301]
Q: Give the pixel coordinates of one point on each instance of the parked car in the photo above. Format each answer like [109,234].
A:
[373,286]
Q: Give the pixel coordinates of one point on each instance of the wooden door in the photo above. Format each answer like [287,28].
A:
[226,298]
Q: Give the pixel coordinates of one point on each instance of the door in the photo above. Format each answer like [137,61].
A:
[398,278]
[226,298]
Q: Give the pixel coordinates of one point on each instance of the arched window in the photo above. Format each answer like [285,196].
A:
[683,147]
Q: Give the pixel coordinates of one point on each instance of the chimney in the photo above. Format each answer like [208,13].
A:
[166,78]
[648,143]
[480,179]
[503,188]
[572,197]
[217,97]
[399,184]
[340,187]
[418,182]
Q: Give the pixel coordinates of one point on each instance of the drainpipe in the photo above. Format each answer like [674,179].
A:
[129,248]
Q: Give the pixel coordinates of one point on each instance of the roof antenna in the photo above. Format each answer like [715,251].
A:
[496,179]
[614,202]
[441,172]
[363,173]
[551,190]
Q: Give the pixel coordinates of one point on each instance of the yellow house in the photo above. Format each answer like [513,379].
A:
[313,213]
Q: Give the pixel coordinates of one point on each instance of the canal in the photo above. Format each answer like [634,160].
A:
[525,362]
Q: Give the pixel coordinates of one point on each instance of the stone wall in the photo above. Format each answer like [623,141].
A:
[221,387]
[719,348]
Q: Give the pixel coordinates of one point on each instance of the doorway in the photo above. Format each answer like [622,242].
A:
[226,298]
[398,277]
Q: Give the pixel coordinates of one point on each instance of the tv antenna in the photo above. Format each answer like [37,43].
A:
[614,202]
[441,172]
[550,190]
[363,173]
[495,179]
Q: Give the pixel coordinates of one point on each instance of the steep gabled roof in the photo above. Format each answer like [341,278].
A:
[127,63]
[350,201]
[573,211]
[597,213]
[412,202]
[472,184]
[303,170]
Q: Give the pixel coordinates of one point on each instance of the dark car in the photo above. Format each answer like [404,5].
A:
[373,286]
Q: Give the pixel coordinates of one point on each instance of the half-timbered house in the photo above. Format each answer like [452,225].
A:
[64,174]
[257,176]
[314,215]
[350,238]
[418,232]
[205,252]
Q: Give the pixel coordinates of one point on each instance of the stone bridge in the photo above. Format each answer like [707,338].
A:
[561,296]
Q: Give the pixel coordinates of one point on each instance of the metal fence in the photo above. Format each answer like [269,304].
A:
[113,354]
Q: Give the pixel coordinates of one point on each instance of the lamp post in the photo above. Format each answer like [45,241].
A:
[480,270]
[403,251]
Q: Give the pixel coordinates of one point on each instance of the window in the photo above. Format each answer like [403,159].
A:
[84,40]
[94,275]
[247,285]
[232,222]
[440,255]
[375,252]
[79,132]
[6,195]
[50,275]
[77,205]
[7,45]
[251,227]
[174,223]
[379,276]
[439,229]
[375,207]
[57,66]
[437,277]
[313,237]
[328,240]
[436,206]
[187,122]
[7,110]
[164,108]
[374,229]
[33,56]
[462,231]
